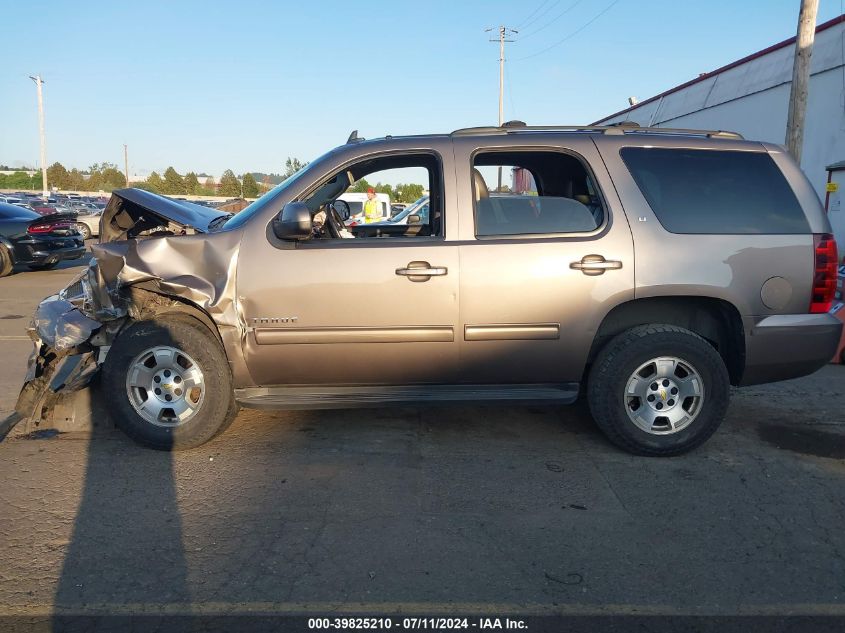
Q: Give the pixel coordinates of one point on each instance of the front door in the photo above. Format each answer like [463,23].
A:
[377,309]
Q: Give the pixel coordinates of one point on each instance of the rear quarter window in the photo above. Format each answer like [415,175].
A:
[715,192]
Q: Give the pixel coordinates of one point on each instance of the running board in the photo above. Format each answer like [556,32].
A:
[359,397]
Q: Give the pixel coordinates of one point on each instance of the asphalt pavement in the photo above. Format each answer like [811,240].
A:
[479,509]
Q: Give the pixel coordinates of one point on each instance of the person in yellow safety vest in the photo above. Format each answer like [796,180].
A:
[372,213]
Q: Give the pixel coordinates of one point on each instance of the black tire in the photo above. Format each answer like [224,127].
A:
[623,355]
[6,264]
[86,232]
[49,266]
[216,410]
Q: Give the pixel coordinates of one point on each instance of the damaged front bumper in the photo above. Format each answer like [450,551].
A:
[154,255]
[71,333]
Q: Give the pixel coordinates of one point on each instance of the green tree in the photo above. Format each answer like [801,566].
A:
[191,183]
[173,183]
[250,187]
[292,165]
[57,176]
[208,188]
[75,181]
[409,192]
[21,180]
[360,186]
[380,188]
[94,181]
[112,178]
[230,186]
[154,183]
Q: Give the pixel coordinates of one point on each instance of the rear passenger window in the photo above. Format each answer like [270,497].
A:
[533,193]
[715,192]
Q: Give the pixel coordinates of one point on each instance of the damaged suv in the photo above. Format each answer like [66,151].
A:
[649,269]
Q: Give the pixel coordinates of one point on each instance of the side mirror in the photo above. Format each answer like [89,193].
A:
[414,219]
[342,208]
[294,222]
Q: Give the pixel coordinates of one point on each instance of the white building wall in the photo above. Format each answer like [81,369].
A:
[753,99]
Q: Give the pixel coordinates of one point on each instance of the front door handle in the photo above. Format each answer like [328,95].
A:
[595,265]
[422,271]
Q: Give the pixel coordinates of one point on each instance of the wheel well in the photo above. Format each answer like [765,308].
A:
[145,304]
[715,320]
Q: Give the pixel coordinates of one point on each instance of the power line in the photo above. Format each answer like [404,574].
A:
[571,35]
[550,22]
[548,8]
[531,15]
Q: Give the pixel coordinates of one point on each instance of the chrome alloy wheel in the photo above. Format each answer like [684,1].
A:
[165,386]
[664,395]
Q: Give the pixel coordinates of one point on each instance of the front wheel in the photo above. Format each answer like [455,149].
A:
[85,231]
[658,390]
[169,382]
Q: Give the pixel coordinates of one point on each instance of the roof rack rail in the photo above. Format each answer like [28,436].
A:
[625,127]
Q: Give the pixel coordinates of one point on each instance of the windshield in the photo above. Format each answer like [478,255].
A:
[412,209]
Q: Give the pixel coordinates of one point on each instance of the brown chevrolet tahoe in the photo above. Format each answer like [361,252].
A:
[648,269]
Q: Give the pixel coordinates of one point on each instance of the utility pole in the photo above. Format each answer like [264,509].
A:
[801,77]
[38,82]
[503,33]
[126,162]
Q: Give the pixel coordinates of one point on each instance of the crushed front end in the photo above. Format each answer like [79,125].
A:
[71,333]
[154,253]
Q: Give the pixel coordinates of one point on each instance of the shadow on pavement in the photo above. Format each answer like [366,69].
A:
[126,549]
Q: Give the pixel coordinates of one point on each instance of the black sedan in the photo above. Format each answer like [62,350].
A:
[38,241]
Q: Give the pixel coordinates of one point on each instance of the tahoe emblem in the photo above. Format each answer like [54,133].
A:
[273,320]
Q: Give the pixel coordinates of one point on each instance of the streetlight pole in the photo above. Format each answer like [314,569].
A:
[126,162]
[38,82]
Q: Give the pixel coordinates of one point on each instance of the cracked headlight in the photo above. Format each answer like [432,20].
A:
[78,291]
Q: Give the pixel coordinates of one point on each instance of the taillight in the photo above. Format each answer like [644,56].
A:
[48,227]
[824,275]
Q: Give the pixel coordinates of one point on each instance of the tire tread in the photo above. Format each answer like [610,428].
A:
[604,411]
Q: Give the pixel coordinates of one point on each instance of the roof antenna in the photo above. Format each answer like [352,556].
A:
[354,138]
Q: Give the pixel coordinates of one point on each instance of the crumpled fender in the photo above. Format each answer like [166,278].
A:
[197,268]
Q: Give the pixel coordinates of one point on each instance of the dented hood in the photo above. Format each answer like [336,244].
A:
[132,211]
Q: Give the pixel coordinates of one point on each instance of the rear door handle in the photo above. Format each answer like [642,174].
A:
[422,271]
[595,265]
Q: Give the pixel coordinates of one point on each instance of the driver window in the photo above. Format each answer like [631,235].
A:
[384,197]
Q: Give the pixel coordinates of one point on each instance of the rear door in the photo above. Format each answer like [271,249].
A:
[546,252]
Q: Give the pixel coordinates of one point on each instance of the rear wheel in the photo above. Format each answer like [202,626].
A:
[85,230]
[47,266]
[5,261]
[169,383]
[658,390]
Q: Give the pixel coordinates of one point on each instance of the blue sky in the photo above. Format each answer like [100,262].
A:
[210,85]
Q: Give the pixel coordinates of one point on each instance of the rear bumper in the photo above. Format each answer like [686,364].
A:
[788,346]
[58,255]
[42,251]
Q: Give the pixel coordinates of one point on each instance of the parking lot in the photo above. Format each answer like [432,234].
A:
[487,510]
